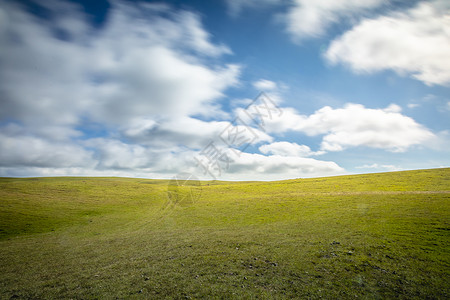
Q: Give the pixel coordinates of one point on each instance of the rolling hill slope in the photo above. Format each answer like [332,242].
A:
[374,235]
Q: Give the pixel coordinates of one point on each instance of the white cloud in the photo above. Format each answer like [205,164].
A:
[114,154]
[351,126]
[124,99]
[239,103]
[265,112]
[29,151]
[287,149]
[235,7]
[442,142]
[265,85]
[273,167]
[354,125]
[137,65]
[146,70]
[131,158]
[392,108]
[311,18]
[156,81]
[190,132]
[195,36]
[415,43]
[288,119]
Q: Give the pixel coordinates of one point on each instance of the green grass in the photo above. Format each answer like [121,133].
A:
[373,236]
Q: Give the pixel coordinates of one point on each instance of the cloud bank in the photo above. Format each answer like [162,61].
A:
[414,43]
[141,96]
[63,82]
[121,99]
[354,126]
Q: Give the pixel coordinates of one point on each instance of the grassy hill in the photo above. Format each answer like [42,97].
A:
[374,236]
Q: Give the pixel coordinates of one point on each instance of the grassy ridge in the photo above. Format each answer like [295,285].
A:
[375,235]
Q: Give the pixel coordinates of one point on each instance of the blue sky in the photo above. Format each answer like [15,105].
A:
[226,89]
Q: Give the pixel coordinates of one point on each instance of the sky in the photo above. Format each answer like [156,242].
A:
[223,89]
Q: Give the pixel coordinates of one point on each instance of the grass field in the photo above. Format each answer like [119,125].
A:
[373,236]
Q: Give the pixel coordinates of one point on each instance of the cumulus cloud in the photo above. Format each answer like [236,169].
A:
[311,18]
[136,82]
[354,125]
[280,121]
[138,96]
[288,149]
[263,111]
[261,167]
[415,43]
